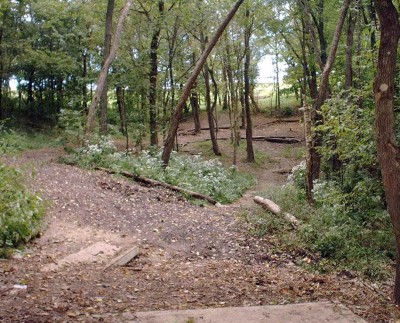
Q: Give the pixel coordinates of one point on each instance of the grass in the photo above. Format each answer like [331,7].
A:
[296,153]
[266,99]
[12,141]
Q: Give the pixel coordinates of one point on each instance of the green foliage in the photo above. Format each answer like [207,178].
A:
[348,118]
[20,211]
[190,172]
[344,239]
[71,124]
[12,141]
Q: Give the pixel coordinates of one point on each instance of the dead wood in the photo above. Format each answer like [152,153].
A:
[153,182]
[276,209]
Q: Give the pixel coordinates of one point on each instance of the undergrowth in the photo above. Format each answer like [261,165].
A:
[190,172]
[13,141]
[20,211]
[344,231]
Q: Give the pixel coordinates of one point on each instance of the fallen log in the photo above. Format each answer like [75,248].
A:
[276,139]
[281,140]
[153,182]
[276,209]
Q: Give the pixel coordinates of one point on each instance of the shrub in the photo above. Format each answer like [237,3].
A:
[348,230]
[20,211]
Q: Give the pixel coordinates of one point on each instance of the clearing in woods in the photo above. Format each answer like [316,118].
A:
[190,256]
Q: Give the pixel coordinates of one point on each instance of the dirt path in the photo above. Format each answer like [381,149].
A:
[190,256]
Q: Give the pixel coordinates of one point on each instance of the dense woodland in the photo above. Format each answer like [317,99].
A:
[340,59]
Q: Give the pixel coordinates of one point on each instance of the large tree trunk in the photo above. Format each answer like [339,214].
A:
[1,74]
[107,48]
[153,77]
[104,70]
[249,125]
[314,162]
[384,90]
[169,142]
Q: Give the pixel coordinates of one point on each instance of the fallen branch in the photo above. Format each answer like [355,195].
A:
[153,182]
[276,209]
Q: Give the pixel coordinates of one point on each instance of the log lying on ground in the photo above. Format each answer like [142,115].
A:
[276,209]
[153,182]
[275,139]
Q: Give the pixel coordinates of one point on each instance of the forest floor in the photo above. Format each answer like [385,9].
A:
[191,256]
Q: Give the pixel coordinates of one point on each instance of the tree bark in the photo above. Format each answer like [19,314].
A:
[107,48]
[249,124]
[314,163]
[153,77]
[1,73]
[104,71]
[384,91]
[169,142]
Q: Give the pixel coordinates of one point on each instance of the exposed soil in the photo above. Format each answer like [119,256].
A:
[190,256]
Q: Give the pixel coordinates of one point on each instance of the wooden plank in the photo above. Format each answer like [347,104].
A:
[124,258]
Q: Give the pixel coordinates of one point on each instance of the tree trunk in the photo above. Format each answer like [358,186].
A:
[349,51]
[314,164]
[210,118]
[153,77]
[194,101]
[120,93]
[104,70]
[384,91]
[107,48]
[249,125]
[214,109]
[169,142]
[1,74]
[84,84]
